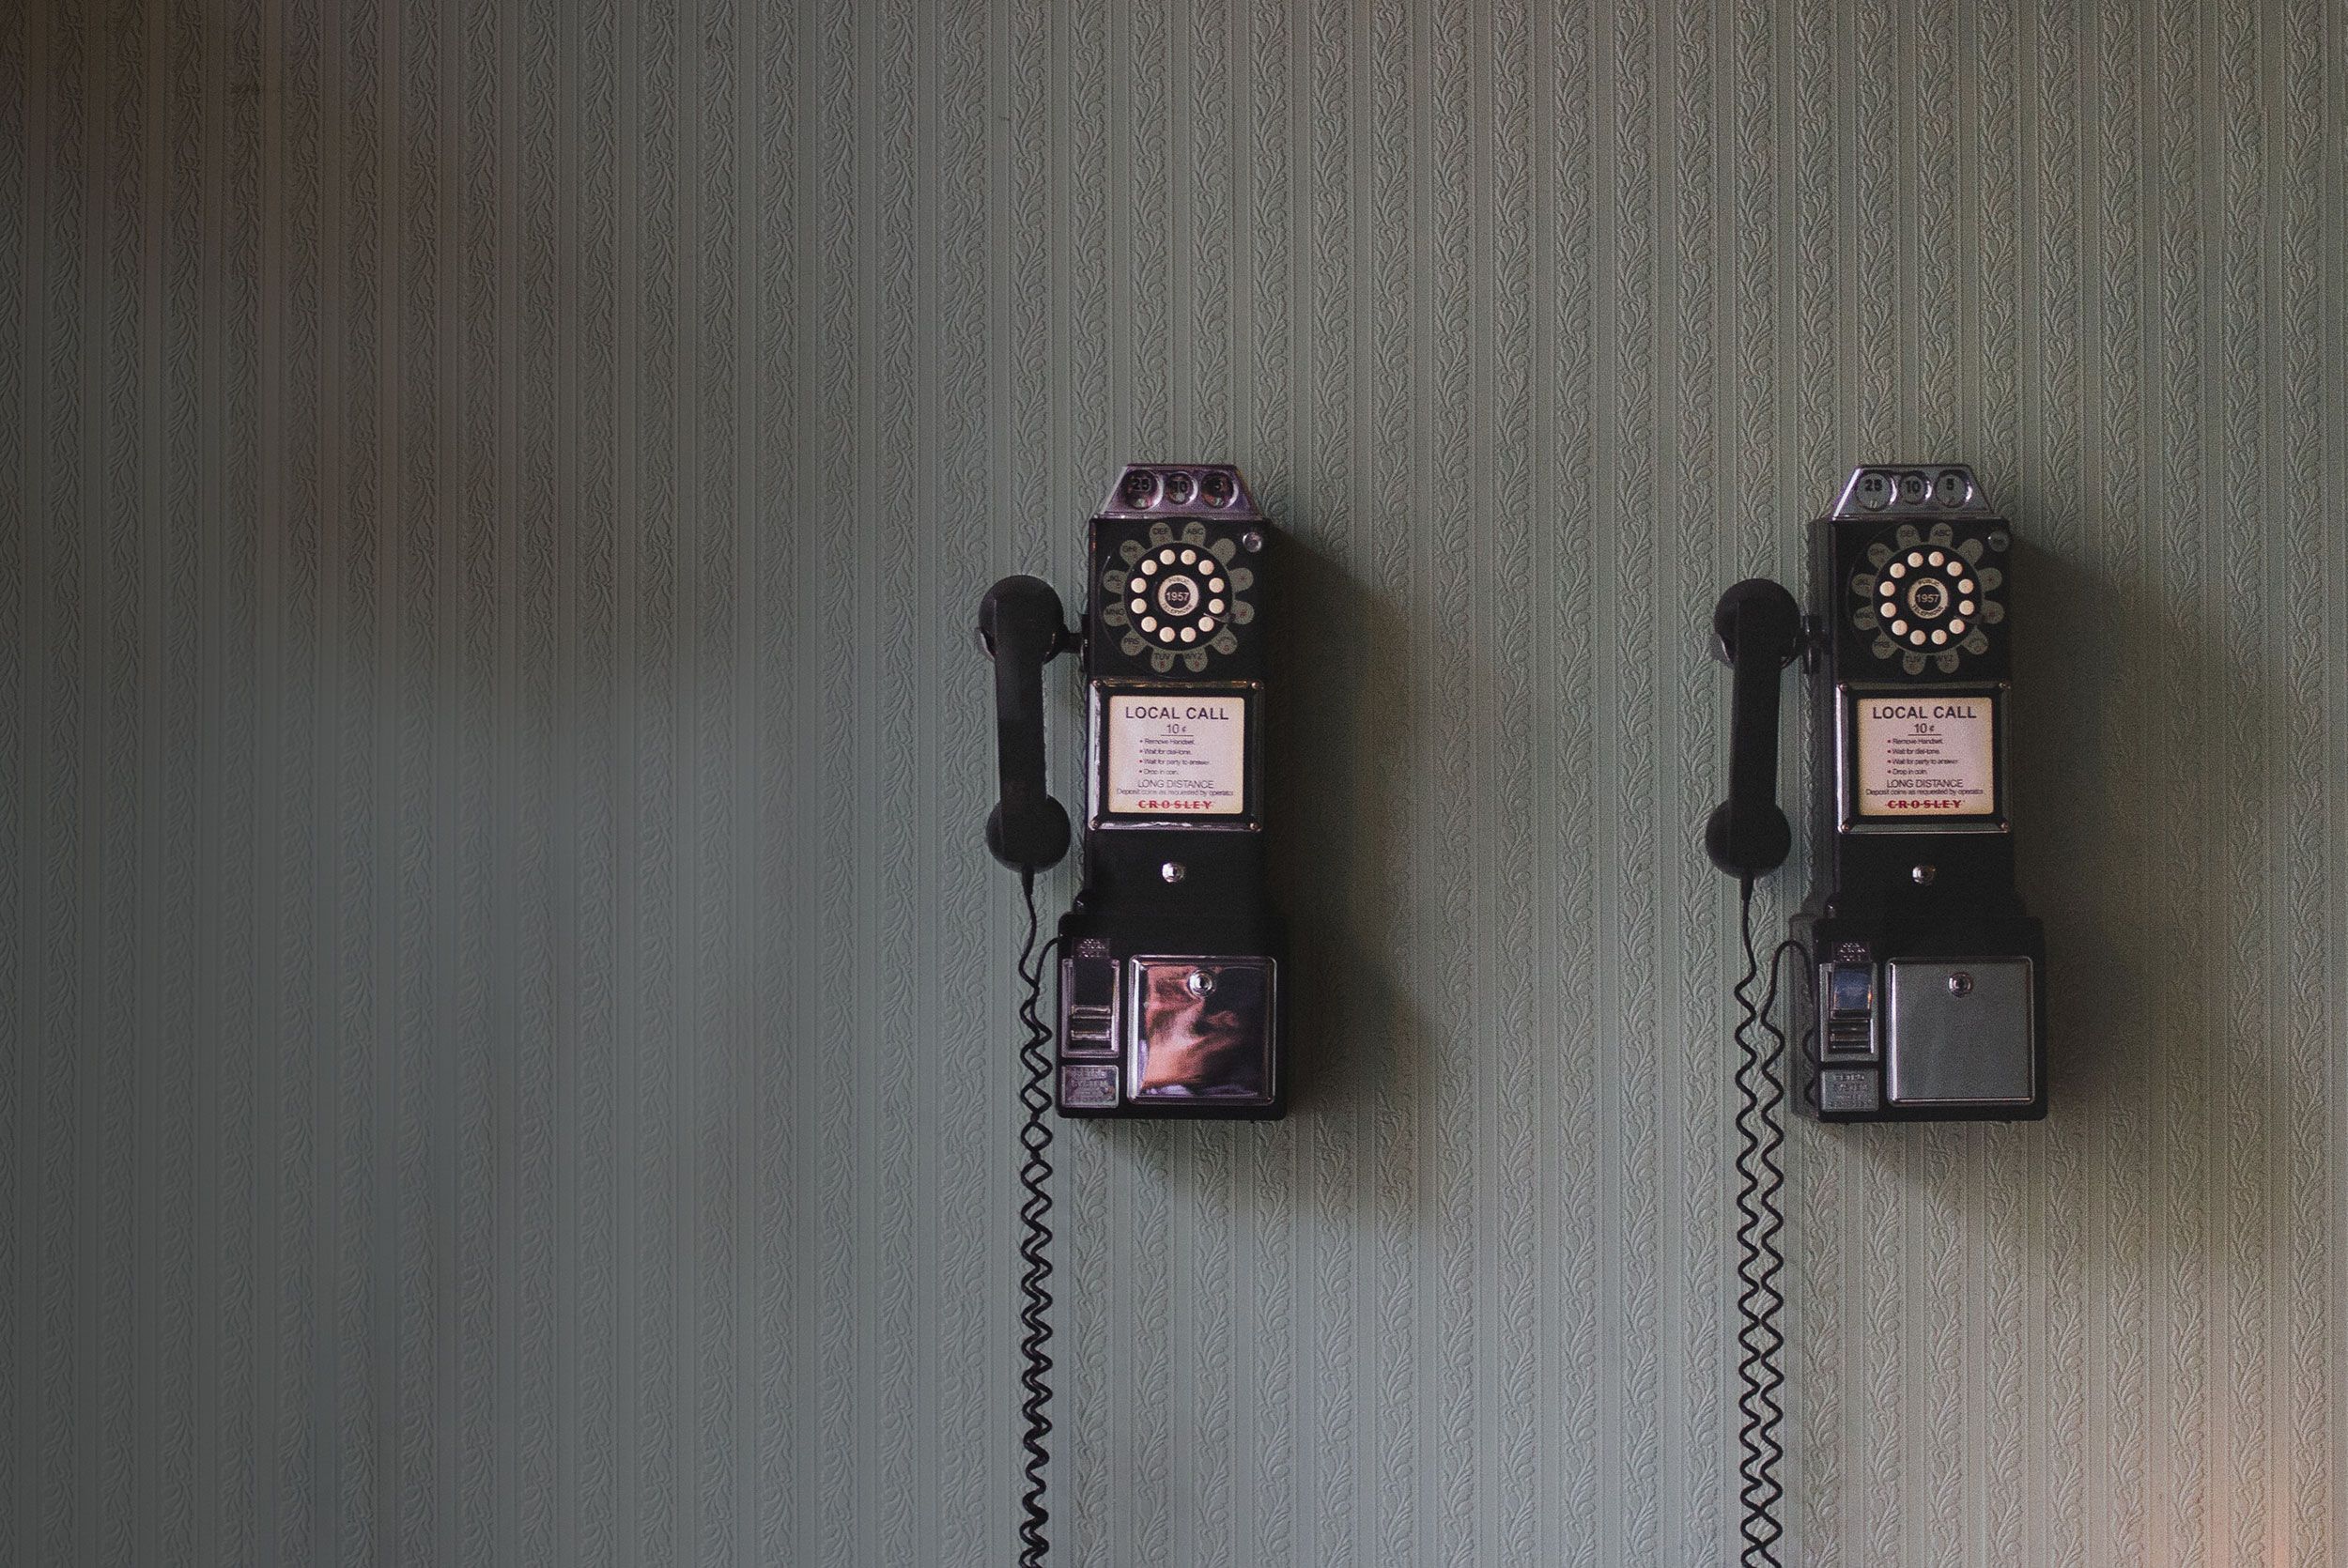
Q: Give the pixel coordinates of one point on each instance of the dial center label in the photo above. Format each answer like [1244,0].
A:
[1177,754]
[1929,598]
[1927,756]
[1178,595]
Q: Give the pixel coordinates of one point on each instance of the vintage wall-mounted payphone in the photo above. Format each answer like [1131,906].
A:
[1171,996]
[1921,994]
[1170,959]
[1925,998]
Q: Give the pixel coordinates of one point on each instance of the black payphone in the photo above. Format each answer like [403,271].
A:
[1170,999]
[1170,959]
[1924,998]
[1922,989]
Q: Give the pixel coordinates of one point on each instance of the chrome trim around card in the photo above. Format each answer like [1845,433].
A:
[1845,760]
[1097,817]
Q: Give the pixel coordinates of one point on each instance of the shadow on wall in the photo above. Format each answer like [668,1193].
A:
[2064,787]
[2116,700]
[2117,692]
[2121,845]
[1339,847]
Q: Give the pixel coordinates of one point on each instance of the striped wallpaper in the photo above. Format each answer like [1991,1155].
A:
[506,1025]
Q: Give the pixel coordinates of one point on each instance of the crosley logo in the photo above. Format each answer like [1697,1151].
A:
[1923,805]
[1176,805]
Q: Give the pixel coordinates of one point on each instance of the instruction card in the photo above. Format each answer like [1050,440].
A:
[1927,756]
[1177,754]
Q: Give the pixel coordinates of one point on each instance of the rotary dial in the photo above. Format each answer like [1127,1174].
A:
[1929,596]
[1177,596]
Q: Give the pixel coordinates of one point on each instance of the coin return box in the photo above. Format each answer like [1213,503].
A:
[1960,1032]
[1201,1030]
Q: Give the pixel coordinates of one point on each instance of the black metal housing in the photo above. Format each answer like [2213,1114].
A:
[1924,887]
[1157,884]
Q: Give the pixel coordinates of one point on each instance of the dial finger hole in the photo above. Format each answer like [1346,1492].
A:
[1956,628]
[1137,606]
[1149,622]
[1190,634]
[1165,634]
[1898,568]
[1964,606]
[1206,622]
[1148,566]
[1935,558]
[1917,637]
[1940,638]
[1899,628]
[1189,556]
[1915,558]
[1964,585]
[1214,606]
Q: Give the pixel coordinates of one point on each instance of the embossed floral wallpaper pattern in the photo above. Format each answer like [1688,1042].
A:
[508,1047]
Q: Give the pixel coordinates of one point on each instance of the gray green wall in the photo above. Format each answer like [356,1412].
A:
[509,1031]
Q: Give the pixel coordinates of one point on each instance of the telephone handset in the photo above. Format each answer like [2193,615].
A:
[1925,997]
[1757,629]
[1171,957]
[1019,628]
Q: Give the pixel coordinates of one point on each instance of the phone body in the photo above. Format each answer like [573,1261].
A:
[1172,996]
[1926,998]
[1172,968]
[1925,993]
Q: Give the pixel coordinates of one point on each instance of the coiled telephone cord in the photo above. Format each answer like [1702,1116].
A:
[1760,1130]
[1035,1171]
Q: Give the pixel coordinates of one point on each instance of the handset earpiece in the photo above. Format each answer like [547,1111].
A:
[1759,631]
[1021,629]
